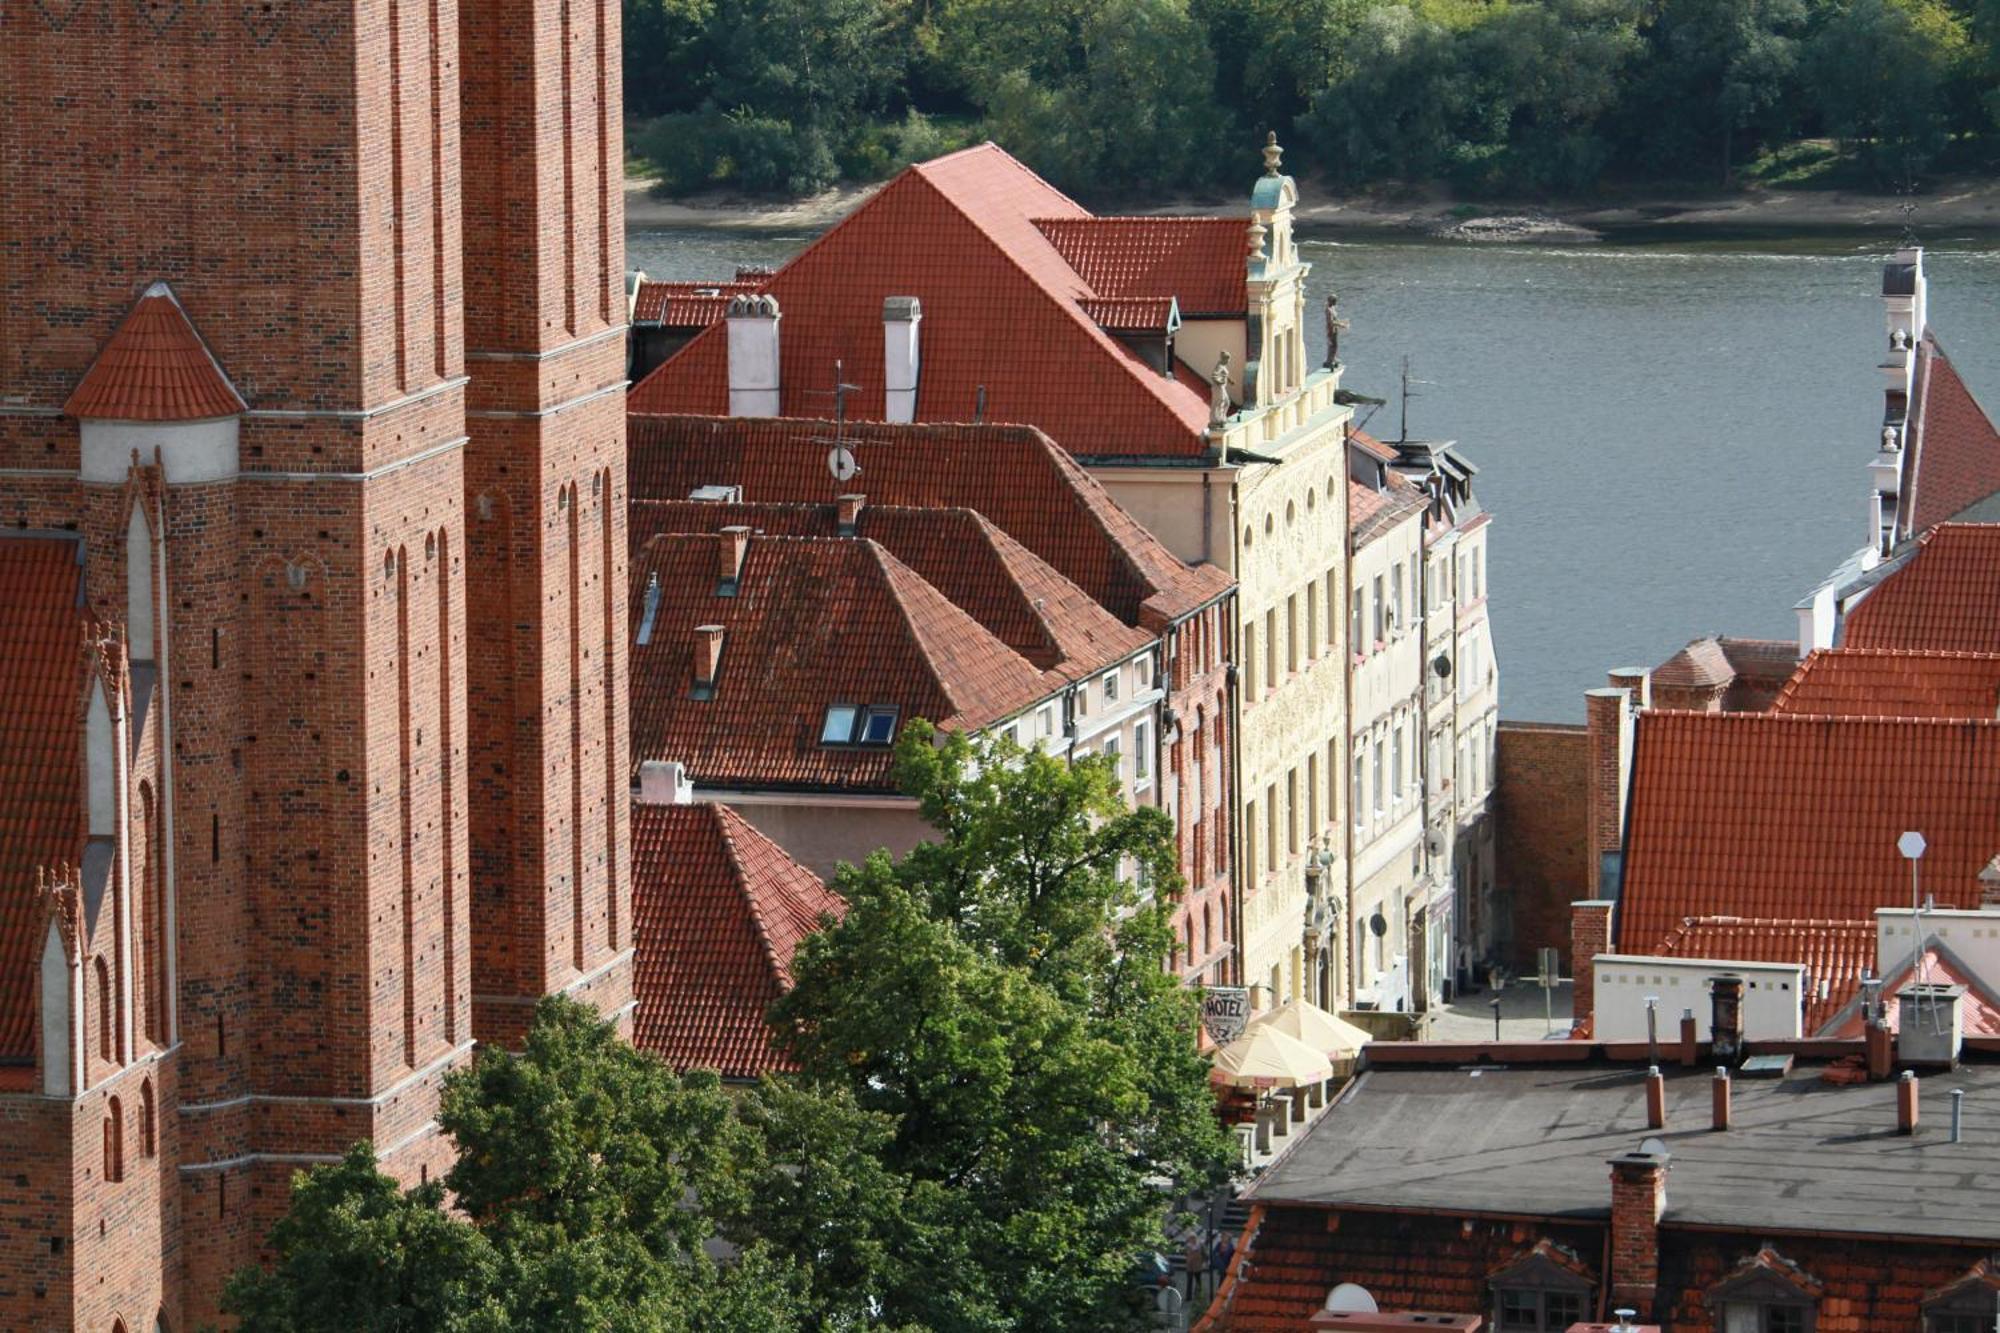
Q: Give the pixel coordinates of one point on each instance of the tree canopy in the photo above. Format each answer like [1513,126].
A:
[999,1100]
[1113,97]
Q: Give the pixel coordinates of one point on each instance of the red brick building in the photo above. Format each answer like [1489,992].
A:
[1538,1187]
[321,398]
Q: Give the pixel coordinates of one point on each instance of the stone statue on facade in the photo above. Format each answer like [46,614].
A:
[1218,392]
[1335,326]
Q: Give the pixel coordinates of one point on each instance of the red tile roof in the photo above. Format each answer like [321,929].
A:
[1014,475]
[1370,512]
[41,757]
[1131,314]
[1945,598]
[1721,660]
[1978,1008]
[1002,313]
[1957,459]
[1371,446]
[813,623]
[1200,261]
[1884,682]
[720,910]
[155,368]
[1025,602]
[685,304]
[1838,952]
[1793,816]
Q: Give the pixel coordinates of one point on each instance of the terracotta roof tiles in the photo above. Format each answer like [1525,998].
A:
[1014,475]
[1882,682]
[1978,1008]
[1796,816]
[685,304]
[1838,952]
[1945,598]
[1200,261]
[1024,601]
[966,234]
[1957,458]
[41,756]
[720,910]
[155,368]
[812,623]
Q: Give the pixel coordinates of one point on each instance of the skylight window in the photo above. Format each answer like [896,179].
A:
[652,609]
[847,724]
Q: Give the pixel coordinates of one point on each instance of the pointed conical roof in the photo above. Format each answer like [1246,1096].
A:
[155,368]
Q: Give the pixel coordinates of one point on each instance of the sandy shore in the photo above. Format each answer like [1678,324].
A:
[1969,204]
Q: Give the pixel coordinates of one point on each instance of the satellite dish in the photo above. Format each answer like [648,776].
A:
[1911,845]
[840,462]
[1378,924]
[1350,1298]
[1654,1147]
[1442,666]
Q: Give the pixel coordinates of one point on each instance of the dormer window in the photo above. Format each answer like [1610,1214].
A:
[1766,1294]
[1546,1289]
[849,724]
[1969,1305]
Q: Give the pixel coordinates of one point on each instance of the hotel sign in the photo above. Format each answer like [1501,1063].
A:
[1225,1011]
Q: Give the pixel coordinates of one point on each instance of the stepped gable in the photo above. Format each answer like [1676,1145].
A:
[1015,476]
[1945,598]
[719,911]
[1839,953]
[968,234]
[1023,600]
[1888,682]
[155,368]
[812,623]
[1957,459]
[41,757]
[1197,261]
[1791,816]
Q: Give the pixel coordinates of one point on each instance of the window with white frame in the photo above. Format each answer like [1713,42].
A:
[1142,752]
[1396,762]
[1355,796]
[1380,609]
[1250,660]
[1117,759]
[1356,639]
[847,724]
[1396,598]
[1767,1293]
[1111,687]
[1045,721]
[1375,775]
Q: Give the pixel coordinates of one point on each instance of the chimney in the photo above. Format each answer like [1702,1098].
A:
[1690,1040]
[1638,1198]
[1929,1023]
[1609,713]
[753,355]
[1719,1099]
[1725,1018]
[665,782]
[707,660]
[1637,681]
[900,317]
[729,553]
[850,513]
[1989,886]
[1656,1099]
[1878,1044]
[1589,936]
[1906,1103]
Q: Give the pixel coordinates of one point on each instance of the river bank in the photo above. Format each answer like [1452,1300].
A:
[1971,204]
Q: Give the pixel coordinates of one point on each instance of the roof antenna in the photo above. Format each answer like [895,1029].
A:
[840,460]
[1403,427]
[1908,208]
[979,405]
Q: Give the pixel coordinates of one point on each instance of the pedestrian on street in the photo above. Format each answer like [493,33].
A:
[1196,1254]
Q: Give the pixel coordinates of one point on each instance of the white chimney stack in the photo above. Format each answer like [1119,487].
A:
[665,782]
[753,356]
[900,317]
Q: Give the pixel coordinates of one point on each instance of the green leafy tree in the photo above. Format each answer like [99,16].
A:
[1002,998]
[578,1162]
[1883,75]
[666,55]
[1728,69]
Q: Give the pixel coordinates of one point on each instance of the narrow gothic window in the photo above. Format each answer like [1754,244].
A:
[104,1024]
[114,1141]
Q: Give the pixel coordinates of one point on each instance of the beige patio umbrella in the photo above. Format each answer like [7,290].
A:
[1266,1057]
[1315,1027]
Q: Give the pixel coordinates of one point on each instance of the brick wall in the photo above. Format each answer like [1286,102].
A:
[1541,817]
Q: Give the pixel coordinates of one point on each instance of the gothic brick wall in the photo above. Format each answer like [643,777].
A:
[1541,819]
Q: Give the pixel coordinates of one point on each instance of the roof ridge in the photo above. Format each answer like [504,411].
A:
[158,394]
[907,588]
[725,830]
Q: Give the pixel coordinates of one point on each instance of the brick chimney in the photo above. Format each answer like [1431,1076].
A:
[729,555]
[1725,1018]
[1636,681]
[1609,715]
[1656,1099]
[900,317]
[707,660]
[1906,1102]
[753,355]
[1589,936]
[1690,1040]
[850,513]
[1719,1100]
[1638,1198]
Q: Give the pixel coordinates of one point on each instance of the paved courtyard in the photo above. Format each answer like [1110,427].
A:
[1522,1018]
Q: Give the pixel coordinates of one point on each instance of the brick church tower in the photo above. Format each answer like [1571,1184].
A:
[311,592]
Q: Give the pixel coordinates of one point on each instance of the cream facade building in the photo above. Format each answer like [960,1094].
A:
[1270,507]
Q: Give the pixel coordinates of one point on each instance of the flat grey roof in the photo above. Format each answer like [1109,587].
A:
[1802,1155]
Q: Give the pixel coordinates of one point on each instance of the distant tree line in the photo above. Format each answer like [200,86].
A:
[1110,97]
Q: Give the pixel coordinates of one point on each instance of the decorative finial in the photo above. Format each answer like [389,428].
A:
[1889,442]
[1273,154]
[1218,393]
[1257,232]
[1899,341]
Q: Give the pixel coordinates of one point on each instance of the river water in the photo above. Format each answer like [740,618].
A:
[1672,435]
